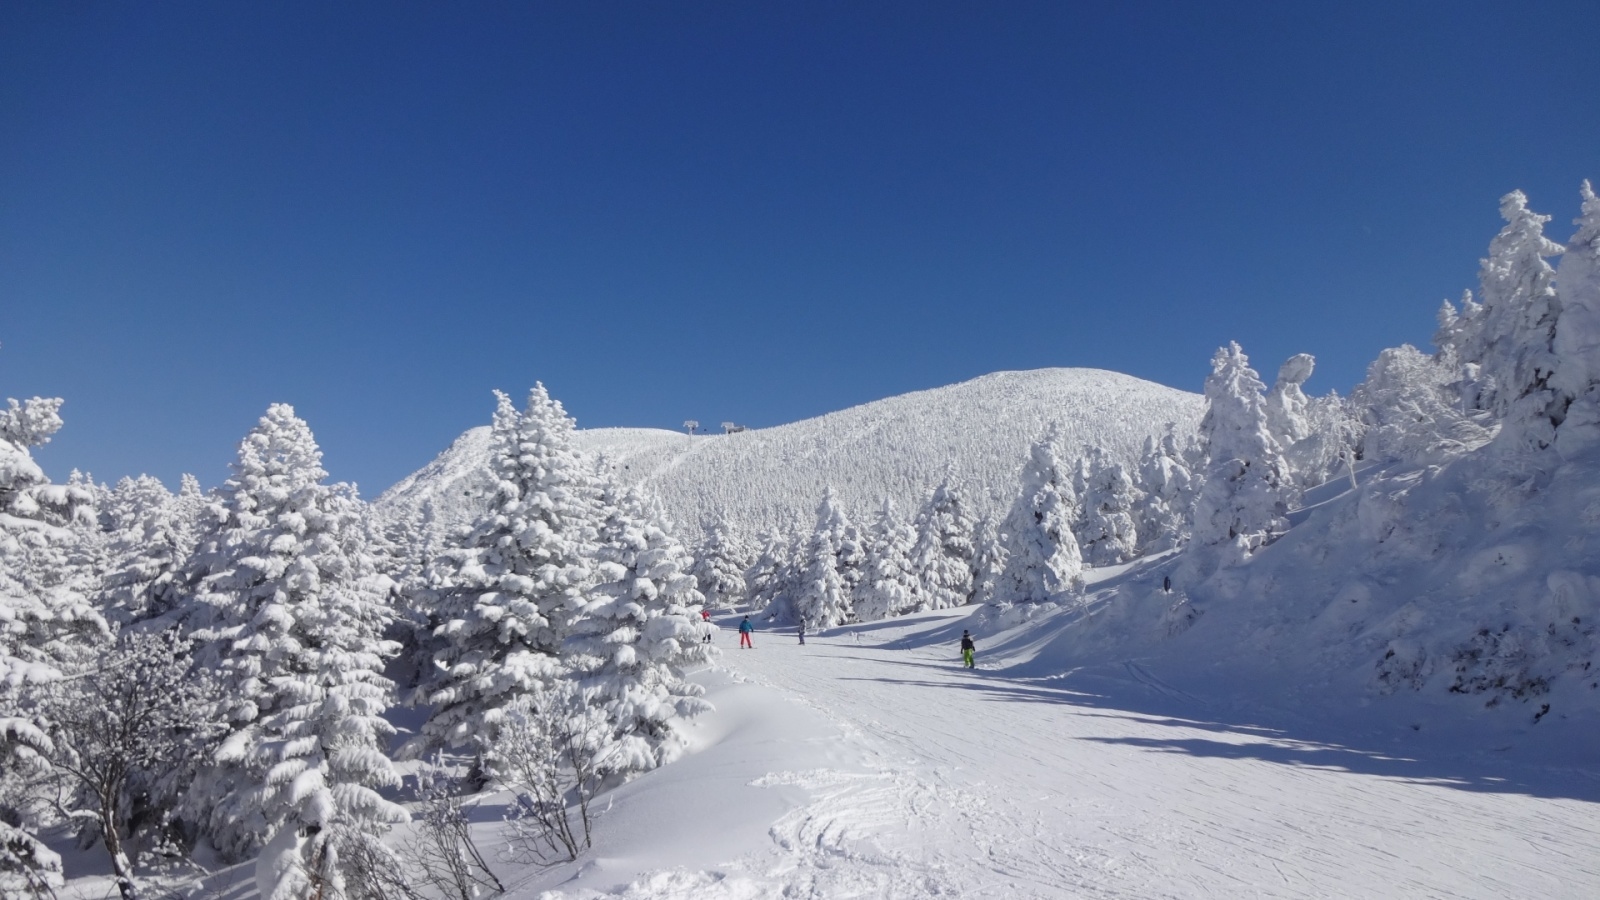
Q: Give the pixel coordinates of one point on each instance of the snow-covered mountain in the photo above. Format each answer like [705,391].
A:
[978,432]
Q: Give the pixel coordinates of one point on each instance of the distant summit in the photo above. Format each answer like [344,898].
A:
[978,432]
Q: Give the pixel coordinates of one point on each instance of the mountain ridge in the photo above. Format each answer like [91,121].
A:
[977,431]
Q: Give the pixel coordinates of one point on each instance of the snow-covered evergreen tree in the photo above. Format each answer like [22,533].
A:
[1042,557]
[44,612]
[503,602]
[634,636]
[888,585]
[1167,490]
[823,595]
[1404,406]
[944,553]
[990,563]
[1242,504]
[1577,340]
[292,613]
[1286,403]
[1509,334]
[45,621]
[764,577]
[720,565]
[1108,535]
[150,534]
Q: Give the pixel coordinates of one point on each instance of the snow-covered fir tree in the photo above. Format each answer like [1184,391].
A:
[46,621]
[291,611]
[1286,403]
[720,565]
[764,576]
[1315,433]
[1246,492]
[634,637]
[1167,491]
[1577,340]
[150,534]
[990,563]
[1406,412]
[822,596]
[1108,534]
[888,585]
[1509,334]
[44,612]
[503,602]
[1042,557]
[944,552]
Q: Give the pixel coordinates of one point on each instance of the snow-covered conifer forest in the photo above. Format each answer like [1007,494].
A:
[1249,641]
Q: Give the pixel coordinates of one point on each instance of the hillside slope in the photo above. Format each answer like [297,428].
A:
[979,431]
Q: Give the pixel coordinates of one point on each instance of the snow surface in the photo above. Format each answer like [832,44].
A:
[979,431]
[878,768]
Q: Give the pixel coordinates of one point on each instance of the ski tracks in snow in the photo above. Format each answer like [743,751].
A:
[955,783]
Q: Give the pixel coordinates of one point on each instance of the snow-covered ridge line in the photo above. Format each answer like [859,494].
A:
[977,431]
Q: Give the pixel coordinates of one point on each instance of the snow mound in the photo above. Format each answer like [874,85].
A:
[978,432]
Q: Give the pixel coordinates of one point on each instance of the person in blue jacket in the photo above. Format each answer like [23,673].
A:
[745,629]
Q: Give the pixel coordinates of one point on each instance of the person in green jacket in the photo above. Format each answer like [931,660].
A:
[967,649]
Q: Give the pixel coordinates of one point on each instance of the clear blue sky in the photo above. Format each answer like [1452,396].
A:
[755,212]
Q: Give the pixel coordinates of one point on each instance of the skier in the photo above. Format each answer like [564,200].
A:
[745,628]
[705,622]
[967,649]
[802,632]
[1166,584]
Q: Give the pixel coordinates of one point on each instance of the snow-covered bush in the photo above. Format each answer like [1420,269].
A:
[553,753]
[129,734]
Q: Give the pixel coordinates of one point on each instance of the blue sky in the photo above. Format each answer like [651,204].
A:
[755,212]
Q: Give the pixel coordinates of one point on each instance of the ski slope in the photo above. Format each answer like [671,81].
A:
[869,764]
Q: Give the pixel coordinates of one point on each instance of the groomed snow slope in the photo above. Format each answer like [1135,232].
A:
[979,431]
[879,768]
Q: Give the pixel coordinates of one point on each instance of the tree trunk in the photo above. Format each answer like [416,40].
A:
[121,867]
